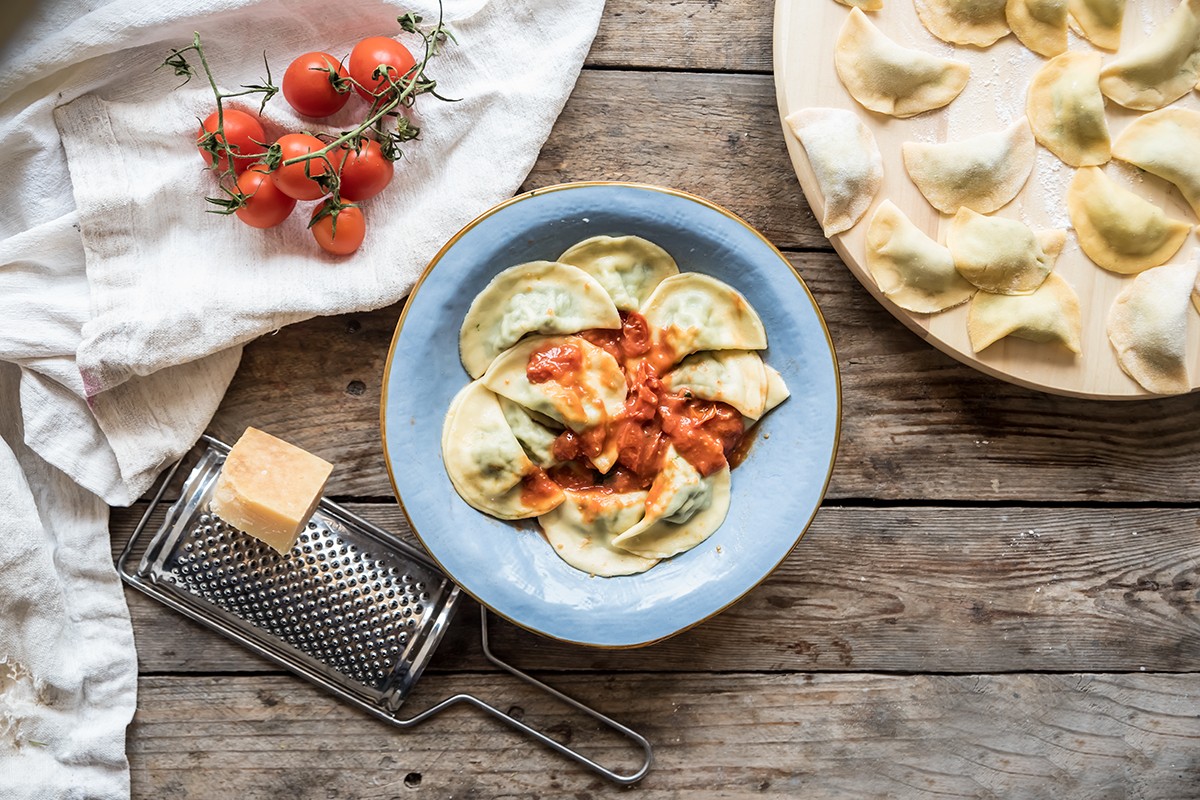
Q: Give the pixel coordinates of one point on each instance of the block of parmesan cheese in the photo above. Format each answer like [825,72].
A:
[269,488]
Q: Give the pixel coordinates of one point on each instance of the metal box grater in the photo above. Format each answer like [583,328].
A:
[352,608]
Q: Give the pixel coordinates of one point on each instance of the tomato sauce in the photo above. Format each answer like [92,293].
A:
[560,363]
[705,433]
[538,489]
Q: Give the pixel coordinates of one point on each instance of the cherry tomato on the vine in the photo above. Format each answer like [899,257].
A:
[371,53]
[340,231]
[265,205]
[243,132]
[311,85]
[364,172]
[291,178]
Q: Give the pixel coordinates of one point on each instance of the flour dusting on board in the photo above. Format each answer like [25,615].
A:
[1046,204]
[999,80]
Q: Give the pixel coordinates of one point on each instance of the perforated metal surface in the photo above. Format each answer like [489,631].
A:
[352,604]
[328,598]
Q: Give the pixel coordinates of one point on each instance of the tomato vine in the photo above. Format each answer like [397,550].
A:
[381,133]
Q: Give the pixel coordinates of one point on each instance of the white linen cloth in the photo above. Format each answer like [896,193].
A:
[123,304]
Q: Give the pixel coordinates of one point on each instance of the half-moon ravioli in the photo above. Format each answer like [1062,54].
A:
[1000,255]
[1040,25]
[911,269]
[628,267]
[484,460]
[581,530]
[982,172]
[1161,69]
[1098,21]
[682,510]
[1147,326]
[977,22]
[735,377]
[865,5]
[1050,314]
[1117,229]
[890,79]
[538,297]
[698,312]
[845,161]
[1066,109]
[589,390]
[1166,143]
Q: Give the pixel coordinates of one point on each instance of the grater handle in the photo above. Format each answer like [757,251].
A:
[628,733]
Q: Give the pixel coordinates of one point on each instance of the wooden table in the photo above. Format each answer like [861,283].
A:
[999,598]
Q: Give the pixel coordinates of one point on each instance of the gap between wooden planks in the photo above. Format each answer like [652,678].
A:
[943,590]
[727,736]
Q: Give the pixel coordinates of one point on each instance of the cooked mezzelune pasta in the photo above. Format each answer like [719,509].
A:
[619,439]
[538,297]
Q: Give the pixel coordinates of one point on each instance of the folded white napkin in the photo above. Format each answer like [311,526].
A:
[124,304]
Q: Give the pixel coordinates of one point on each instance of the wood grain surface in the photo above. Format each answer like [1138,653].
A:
[998,600]
[994,98]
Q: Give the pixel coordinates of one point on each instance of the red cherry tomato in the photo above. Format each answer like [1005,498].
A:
[365,172]
[265,206]
[243,132]
[311,83]
[339,232]
[373,52]
[291,178]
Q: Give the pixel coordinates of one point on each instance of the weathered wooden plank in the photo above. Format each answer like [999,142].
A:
[718,136]
[729,736]
[910,590]
[917,425]
[685,34]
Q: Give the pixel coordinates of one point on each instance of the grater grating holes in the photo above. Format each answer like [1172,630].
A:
[329,599]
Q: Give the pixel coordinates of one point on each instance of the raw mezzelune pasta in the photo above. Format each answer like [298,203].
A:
[1040,25]
[889,79]
[1147,326]
[1098,21]
[1066,109]
[982,172]
[911,269]
[1166,143]
[1118,230]
[1049,314]
[1000,255]
[845,161]
[977,22]
[616,438]
[1161,69]
[865,5]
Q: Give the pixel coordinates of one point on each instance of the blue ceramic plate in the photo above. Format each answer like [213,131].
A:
[509,567]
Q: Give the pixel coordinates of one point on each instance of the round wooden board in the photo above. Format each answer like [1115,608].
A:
[805,35]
